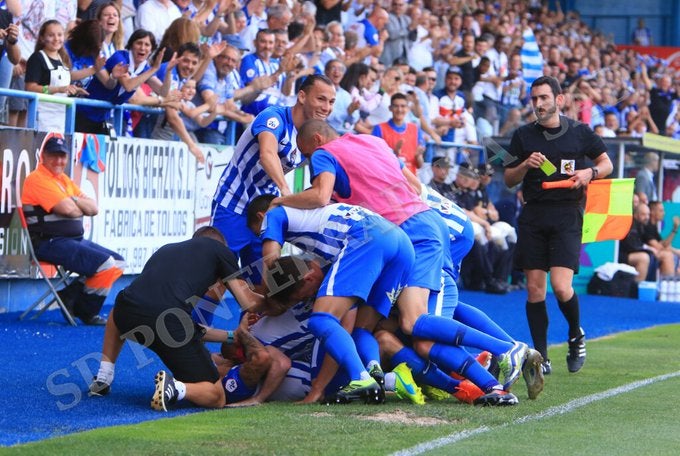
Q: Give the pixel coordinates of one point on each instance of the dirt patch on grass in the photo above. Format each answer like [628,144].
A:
[401,417]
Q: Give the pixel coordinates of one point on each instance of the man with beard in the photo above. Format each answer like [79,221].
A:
[549,228]
[264,153]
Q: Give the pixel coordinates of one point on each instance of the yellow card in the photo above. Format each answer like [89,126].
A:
[548,168]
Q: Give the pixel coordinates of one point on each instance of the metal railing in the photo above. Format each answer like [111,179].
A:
[71,103]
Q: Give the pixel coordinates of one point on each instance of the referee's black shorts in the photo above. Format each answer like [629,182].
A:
[173,336]
[549,235]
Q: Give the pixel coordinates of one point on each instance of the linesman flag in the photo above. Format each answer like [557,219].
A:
[609,210]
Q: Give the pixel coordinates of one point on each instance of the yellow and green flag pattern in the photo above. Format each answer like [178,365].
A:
[609,210]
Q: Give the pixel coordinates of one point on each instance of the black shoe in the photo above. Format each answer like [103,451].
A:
[94,321]
[98,388]
[379,377]
[165,392]
[546,366]
[497,398]
[366,390]
[577,353]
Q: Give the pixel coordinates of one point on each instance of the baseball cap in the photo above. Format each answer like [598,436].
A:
[454,70]
[485,170]
[465,170]
[56,145]
[443,162]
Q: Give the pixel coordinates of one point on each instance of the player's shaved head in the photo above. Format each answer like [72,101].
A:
[314,133]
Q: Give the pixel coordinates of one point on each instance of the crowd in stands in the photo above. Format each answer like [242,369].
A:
[413,72]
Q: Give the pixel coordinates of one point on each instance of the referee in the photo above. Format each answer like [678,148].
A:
[549,228]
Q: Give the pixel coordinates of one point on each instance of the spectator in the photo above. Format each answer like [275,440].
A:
[47,72]
[55,208]
[667,254]
[428,101]
[9,51]
[371,33]
[261,63]
[463,59]
[661,98]
[477,271]
[336,43]
[222,82]
[633,249]
[328,11]
[357,81]
[389,85]
[611,125]
[87,9]
[156,16]
[486,92]
[108,15]
[398,29]
[642,36]
[180,31]
[455,123]
[513,88]
[174,74]
[644,181]
[405,138]
[84,50]
[345,110]
[440,174]
[124,72]
[193,117]
[642,123]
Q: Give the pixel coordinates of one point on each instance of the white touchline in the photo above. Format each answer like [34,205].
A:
[548,413]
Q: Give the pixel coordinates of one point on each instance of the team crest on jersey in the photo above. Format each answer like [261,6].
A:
[272,123]
[250,72]
[231,385]
[567,166]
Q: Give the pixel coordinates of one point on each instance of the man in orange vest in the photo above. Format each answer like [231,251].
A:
[55,208]
[404,138]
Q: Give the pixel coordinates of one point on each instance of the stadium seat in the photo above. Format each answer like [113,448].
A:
[53,275]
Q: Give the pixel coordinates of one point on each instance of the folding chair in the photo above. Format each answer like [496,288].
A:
[61,276]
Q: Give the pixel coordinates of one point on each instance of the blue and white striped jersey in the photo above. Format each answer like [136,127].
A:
[244,178]
[288,332]
[325,231]
[456,219]
[252,67]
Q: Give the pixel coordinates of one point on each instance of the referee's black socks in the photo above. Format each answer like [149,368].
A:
[570,310]
[537,317]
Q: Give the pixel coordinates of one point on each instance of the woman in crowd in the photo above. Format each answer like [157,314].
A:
[83,48]
[47,72]
[358,80]
[181,30]
[124,72]
[108,16]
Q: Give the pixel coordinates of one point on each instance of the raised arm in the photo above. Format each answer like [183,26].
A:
[318,195]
